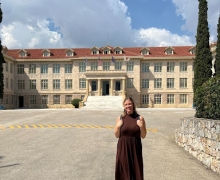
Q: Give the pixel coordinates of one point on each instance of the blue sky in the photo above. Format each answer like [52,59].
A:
[88,23]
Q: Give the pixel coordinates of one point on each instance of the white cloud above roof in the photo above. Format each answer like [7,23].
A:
[74,23]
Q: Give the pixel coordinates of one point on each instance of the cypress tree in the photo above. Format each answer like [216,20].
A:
[217,57]
[203,59]
[1,63]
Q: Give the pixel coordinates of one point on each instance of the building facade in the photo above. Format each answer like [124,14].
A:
[51,78]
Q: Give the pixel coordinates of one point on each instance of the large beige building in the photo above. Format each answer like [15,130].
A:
[152,76]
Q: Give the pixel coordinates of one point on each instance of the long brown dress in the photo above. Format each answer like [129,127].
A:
[129,160]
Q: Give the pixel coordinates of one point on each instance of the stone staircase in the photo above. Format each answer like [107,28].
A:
[103,102]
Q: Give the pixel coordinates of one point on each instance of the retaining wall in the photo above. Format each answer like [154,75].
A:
[201,138]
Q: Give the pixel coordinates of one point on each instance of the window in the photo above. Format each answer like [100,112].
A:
[22,54]
[157,99]
[56,68]
[32,68]
[170,66]
[44,99]
[12,99]
[183,98]
[130,83]
[117,51]
[6,66]
[44,84]
[68,68]
[169,51]
[117,85]
[106,65]
[105,51]
[183,82]
[69,53]
[44,68]
[56,99]
[94,88]
[192,82]
[68,83]
[33,99]
[68,99]
[145,99]
[12,82]
[32,84]
[130,66]
[183,66]
[145,83]
[6,99]
[20,69]
[145,67]
[11,68]
[157,82]
[6,83]
[82,83]
[170,98]
[170,82]
[158,67]
[82,67]
[94,51]
[94,66]
[118,65]
[145,52]
[193,51]
[56,84]
[21,84]
[46,54]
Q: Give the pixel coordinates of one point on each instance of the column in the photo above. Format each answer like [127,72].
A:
[123,87]
[87,87]
[99,87]
[111,87]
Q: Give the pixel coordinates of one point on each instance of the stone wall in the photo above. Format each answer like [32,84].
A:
[201,138]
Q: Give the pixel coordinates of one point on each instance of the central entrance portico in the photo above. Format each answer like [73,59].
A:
[112,84]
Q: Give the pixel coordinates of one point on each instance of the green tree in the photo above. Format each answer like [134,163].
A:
[1,63]
[217,57]
[203,59]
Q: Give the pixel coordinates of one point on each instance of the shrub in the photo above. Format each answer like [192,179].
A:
[208,99]
[75,102]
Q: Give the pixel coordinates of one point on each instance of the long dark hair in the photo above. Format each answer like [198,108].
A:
[134,107]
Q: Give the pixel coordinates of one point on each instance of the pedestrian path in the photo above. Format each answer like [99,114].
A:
[48,126]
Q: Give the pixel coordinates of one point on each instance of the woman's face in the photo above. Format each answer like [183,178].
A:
[128,106]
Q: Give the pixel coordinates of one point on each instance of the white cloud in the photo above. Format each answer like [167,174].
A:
[89,23]
[161,37]
[18,35]
[188,9]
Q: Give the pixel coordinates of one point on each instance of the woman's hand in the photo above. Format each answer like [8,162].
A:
[142,126]
[119,123]
[140,123]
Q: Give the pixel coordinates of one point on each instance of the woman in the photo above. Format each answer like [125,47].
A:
[130,128]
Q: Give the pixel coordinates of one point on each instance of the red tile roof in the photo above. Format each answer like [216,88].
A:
[83,52]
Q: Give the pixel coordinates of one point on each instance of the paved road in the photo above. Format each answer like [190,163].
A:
[76,144]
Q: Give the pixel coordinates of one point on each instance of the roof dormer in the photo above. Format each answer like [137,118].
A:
[145,51]
[46,53]
[95,50]
[213,46]
[118,50]
[192,50]
[4,49]
[69,52]
[169,50]
[106,50]
[22,53]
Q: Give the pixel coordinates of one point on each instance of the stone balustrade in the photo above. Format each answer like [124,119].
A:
[201,138]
